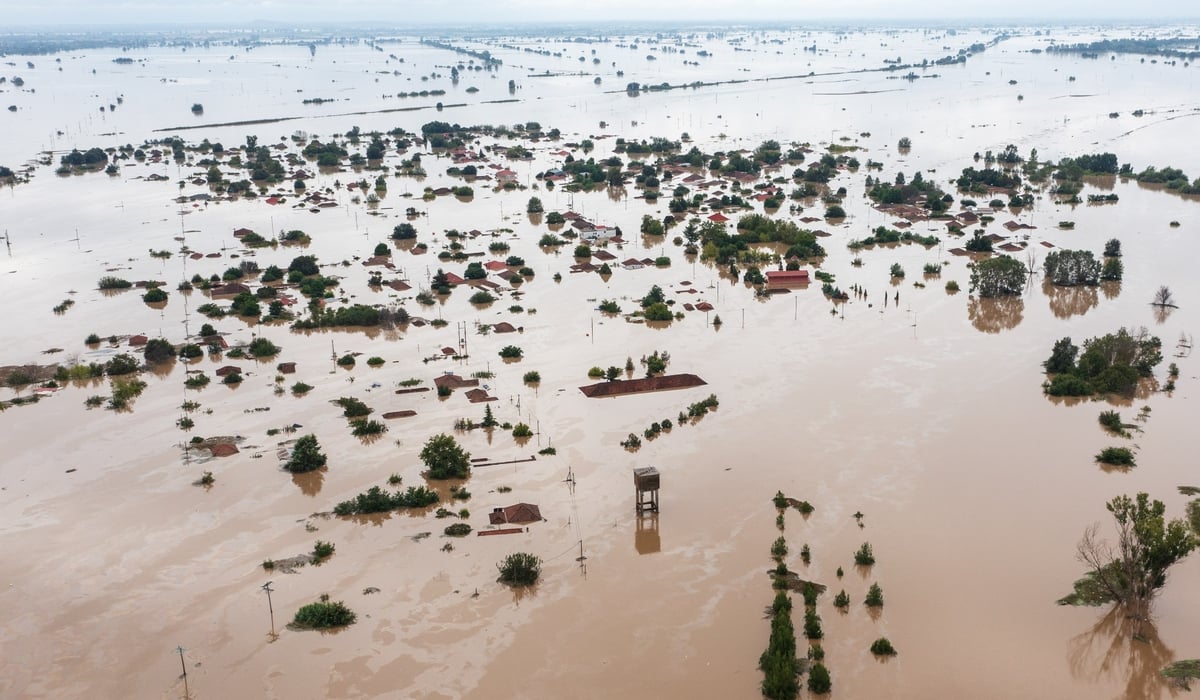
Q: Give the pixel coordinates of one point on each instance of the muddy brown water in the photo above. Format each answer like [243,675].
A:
[926,415]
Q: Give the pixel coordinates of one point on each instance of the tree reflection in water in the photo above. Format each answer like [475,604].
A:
[1066,302]
[1110,649]
[996,314]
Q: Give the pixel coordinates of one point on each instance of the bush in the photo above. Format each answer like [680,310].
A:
[897,270]
[110,282]
[121,364]
[458,530]
[819,682]
[197,381]
[353,408]
[609,306]
[835,212]
[779,549]
[154,296]
[522,431]
[658,312]
[481,297]
[952,286]
[375,362]
[520,569]
[322,550]
[812,624]
[324,615]
[874,597]
[1117,456]
[376,500]
[841,600]
[1112,420]
[368,427]
[346,361]
[882,647]
[190,351]
[511,351]
[92,339]
[301,388]
[306,455]
[864,556]
[234,378]
[261,347]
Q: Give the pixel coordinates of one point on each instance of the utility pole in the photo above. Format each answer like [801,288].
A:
[182,665]
[267,587]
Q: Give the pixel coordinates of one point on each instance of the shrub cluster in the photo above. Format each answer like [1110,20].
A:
[376,500]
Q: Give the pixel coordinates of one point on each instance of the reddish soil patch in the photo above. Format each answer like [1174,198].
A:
[223,450]
[638,386]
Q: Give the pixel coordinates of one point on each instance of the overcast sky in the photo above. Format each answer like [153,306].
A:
[400,12]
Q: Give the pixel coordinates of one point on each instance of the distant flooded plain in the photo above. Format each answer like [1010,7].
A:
[919,409]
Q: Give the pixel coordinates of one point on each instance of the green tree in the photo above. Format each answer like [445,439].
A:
[520,569]
[306,456]
[534,206]
[1131,573]
[1069,268]
[404,231]
[159,350]
[445,458]
[1062,357]
[998,276]
[304,264]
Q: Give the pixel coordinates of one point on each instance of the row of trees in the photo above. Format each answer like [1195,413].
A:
[1112,363]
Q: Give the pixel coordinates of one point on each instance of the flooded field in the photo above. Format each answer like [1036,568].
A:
[918,408]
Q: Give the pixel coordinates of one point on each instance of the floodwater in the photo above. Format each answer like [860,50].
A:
[925,414]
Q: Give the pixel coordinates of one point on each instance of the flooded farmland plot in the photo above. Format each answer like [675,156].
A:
[298,322]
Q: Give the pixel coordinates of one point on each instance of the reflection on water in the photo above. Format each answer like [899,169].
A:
[1111,289]
[646,539]
[310,482]
[1066,302]
[996,314]
[1162,313]
[1110,650]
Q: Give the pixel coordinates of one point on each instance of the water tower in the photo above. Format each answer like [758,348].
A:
[645,481]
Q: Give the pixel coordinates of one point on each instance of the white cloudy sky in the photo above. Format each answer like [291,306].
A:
[400,12]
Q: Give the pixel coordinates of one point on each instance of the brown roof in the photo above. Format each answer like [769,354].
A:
[231,289]
[454,381]
[228,370]
[516,513]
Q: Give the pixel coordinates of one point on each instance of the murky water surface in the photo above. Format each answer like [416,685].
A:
[925,413]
